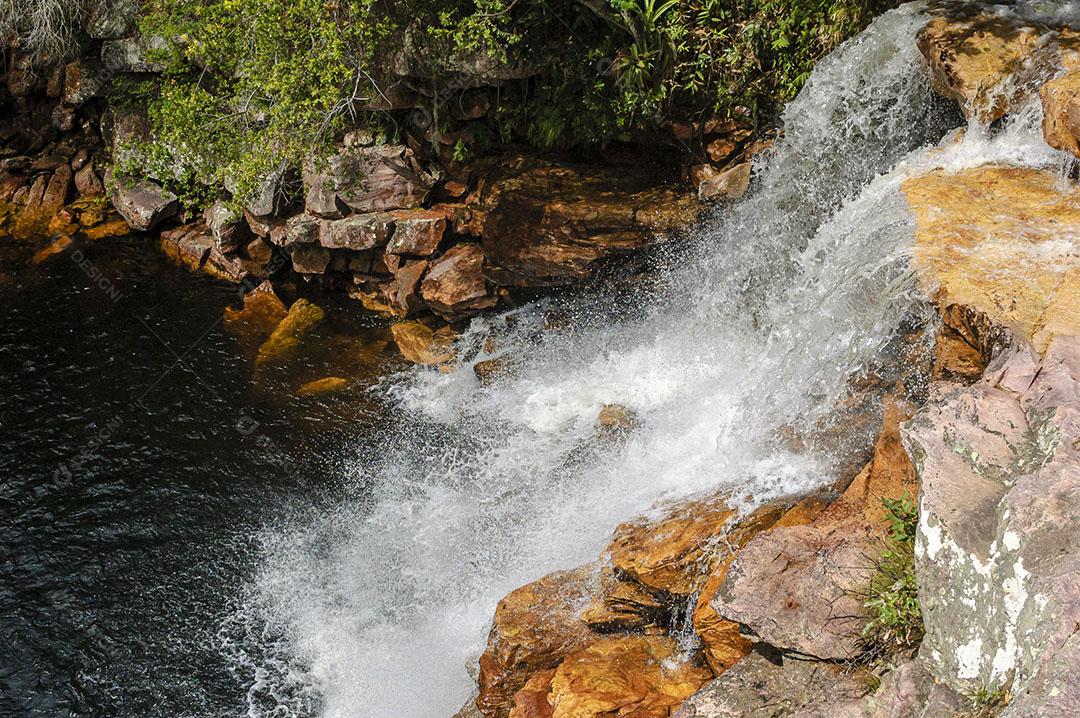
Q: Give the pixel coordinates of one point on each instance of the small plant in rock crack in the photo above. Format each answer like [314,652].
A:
[892,600]
[986,703]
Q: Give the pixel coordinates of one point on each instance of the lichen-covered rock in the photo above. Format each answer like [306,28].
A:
[997,552]
[227,226]
[641,676]
[990,238]
[534,628]
[358,232]
[417,232]
[365,179]
[144,205]
[455,283]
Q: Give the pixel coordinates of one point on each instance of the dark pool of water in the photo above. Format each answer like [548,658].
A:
[136,464]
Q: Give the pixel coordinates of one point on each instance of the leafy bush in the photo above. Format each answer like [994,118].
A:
[254,85]
[895,618]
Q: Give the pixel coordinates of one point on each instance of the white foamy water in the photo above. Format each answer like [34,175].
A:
[377,607]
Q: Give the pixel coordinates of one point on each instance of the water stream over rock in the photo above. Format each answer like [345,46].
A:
[755,327]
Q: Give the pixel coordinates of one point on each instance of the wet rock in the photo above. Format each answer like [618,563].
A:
[615,419]
[548,225]
[188,245]
[358,232]
[455,283]
[420,344]
[113,228]
[262,312]
[57,246]
[535,627]
[417,232]
[731,183]
[799,587]
[532,700]
[144,205]
[990,63]
[365,179]
[326,385]
[765,684]
[643,676]
[1061,113]
[997,555]
[990,238]
[59,188]
[283,343]
[966,342]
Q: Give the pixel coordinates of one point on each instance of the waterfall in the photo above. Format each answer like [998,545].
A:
[377,606]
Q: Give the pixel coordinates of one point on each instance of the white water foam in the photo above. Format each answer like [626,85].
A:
[758,323]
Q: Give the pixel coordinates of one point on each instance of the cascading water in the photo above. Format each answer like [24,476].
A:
[376,607]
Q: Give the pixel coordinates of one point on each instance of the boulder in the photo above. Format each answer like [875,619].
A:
[997,549]
[112,228]
[87,182]
[144,205]
[990,239]
[358,232]
[641,676]
[420,344]
[309,258]
[534,628]
[59,188]
[417,232]
[326,385]
[547,225]
[615,419]
[365,179]
[131,54]
[187,245]
[285,340]
[800,586]
[227,226]
[111,19]
[765,684]
[455,283]
[1061,113]
[402,291]
[532,700]
[731,183]
[991,63]
[83,81]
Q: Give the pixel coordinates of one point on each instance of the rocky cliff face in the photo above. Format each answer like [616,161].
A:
[770,606]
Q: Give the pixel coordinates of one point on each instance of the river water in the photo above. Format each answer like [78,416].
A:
[177,544]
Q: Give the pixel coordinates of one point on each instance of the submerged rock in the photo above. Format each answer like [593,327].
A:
[326,385]
[263,311]
[289,334]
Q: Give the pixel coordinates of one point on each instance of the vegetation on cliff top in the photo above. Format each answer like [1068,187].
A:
[253,85]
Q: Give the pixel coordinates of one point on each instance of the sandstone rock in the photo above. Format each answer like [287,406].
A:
[309,258]
[732,183]
[285,340]
[326,385]
[131,54]
[301,229]
[642,676]
[358,232]
[532,700]
[57,246]
[83,81]
[419,344]
[58,189]
[990,238]
[455,283]
[997,555]
[144,205]
[799,586]
[263,311]
[113,228]
[721,640]
[417,232]
[765,685]
[990,63]
[966,342]
[64,117]
[229,268]
[1061,112]
[721,148]
[547,225]
[535,627]
[187,245]
[365,179]
[401,292]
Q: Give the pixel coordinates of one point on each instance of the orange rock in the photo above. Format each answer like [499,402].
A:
[532,700]
[1061,112]
[115,228]
[326,385]
[990,238]
[419,344]
[721,640]
[639,676]
[263,311]
[58,245]
[534,627]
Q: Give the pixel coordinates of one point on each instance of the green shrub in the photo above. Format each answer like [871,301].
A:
[253,85]
[895,619]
